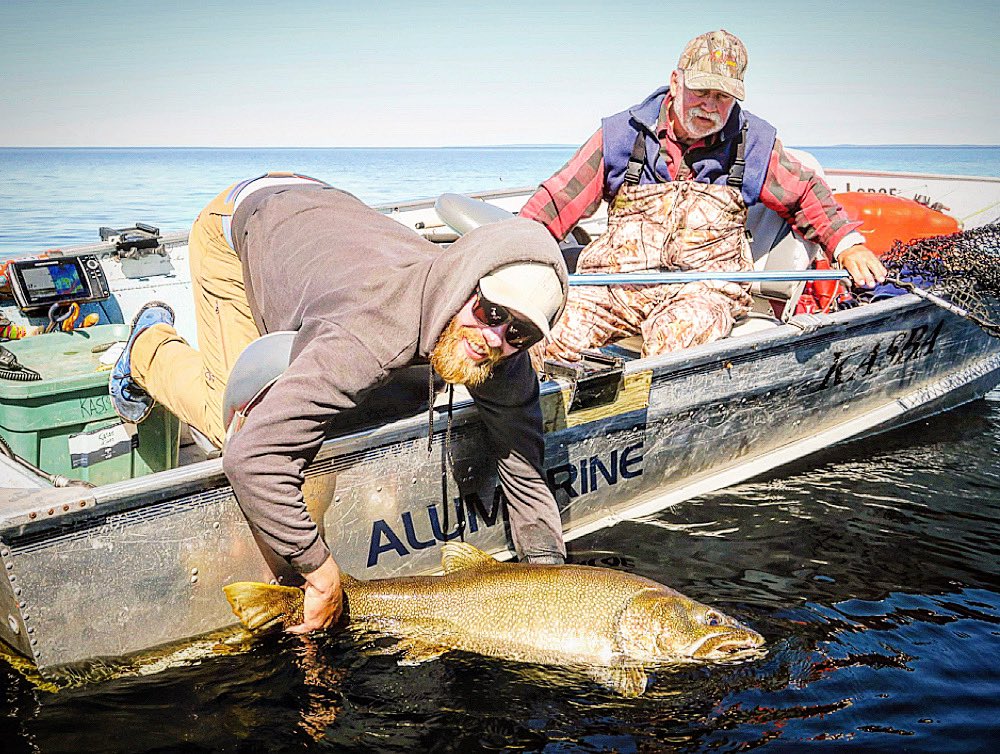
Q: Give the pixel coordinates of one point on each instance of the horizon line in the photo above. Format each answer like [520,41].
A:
[448,146]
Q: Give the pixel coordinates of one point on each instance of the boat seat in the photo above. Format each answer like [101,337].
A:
[200,446]
[754,322]
[775,247]
[463,213]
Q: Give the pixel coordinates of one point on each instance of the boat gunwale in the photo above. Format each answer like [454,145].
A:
[33,512]
[919,176]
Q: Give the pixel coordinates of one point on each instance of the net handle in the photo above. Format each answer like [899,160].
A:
[947,305]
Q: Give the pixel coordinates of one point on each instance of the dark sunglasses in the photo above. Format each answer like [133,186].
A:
[520,333]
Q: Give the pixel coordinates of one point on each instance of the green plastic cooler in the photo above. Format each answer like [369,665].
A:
[64,423]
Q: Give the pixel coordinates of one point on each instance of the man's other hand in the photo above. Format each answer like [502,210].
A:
[324,599]
[864,267]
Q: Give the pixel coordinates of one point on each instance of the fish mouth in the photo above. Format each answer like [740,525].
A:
[726,645]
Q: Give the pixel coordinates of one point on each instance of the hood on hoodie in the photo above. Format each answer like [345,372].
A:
[319,256]
[454,274]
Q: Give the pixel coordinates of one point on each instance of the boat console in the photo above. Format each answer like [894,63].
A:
[59,281]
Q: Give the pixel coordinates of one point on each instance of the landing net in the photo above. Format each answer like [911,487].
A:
[963,268]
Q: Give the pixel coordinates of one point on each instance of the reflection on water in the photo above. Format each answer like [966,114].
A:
[871,569]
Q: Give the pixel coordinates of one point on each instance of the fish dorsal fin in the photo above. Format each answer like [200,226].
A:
[456,556]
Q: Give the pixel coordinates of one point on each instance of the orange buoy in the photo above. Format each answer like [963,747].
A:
[886,218]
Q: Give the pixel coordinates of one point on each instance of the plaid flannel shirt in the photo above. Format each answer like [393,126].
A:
[800,196]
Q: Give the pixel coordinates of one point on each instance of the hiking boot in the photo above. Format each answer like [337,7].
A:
[129,400]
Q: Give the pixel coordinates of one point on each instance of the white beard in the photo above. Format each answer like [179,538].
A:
[696,131]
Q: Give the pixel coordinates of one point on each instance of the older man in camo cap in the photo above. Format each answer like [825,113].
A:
[679,171]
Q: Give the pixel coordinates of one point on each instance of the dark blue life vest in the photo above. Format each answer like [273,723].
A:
[712,164]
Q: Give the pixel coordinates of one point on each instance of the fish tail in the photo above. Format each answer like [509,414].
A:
[262,606]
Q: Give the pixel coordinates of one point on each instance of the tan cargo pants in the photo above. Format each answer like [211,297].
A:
[191,382]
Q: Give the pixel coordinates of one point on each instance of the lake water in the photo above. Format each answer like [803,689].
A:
[871,568]
[58,197]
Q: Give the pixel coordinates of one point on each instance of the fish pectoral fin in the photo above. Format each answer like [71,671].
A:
[456,556]
[627,680]
[416,652]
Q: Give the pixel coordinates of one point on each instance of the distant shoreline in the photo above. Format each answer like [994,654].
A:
[59,196]
[471,148]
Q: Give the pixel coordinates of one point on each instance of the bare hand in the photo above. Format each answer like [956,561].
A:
[324,599]
[864,267]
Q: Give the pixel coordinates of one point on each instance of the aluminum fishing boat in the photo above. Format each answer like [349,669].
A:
[115,540]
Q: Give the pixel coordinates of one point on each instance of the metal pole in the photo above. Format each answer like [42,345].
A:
[658,278]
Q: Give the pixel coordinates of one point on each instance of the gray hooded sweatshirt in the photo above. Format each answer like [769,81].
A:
[368,296]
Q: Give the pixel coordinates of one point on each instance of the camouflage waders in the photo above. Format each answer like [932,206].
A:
[665,227]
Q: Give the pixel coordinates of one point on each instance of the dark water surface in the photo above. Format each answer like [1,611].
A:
[871,569]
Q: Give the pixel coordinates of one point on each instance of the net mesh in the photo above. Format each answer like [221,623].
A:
[963,268]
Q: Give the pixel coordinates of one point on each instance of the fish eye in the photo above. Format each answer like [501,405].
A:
[713,618]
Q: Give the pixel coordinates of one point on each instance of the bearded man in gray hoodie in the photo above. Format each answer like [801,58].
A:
[366,297]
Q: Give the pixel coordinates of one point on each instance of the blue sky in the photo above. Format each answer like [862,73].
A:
[311,73]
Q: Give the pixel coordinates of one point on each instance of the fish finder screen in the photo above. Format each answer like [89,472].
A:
[53,281]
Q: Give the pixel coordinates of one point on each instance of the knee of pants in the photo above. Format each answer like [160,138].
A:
[688,323]
[591,319]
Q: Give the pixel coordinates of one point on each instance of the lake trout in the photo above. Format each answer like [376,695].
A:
[610,623]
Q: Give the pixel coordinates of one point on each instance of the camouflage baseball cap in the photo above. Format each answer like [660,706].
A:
[715,60]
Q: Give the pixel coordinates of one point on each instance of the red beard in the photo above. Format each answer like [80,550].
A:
[451,360]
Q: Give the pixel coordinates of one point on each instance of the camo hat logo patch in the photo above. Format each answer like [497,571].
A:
[715,60]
